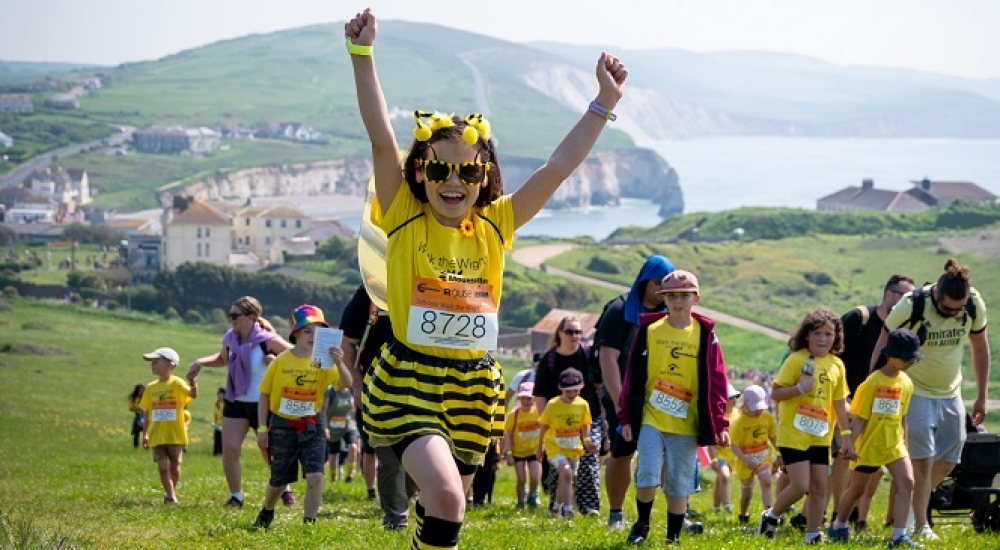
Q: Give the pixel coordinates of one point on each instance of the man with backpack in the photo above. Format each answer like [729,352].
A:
[615,332]
[943,315]
[862,329]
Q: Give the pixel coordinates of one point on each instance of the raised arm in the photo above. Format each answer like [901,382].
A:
[575,147]
[361,31]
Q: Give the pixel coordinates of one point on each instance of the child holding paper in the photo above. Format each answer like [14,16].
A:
[290,396]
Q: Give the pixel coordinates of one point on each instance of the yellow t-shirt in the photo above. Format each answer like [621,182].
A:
[672,378]
[295,387]
[807,420]
[444,287]
[566,424]
[164,404]
[524,428]
[724,452]
[939,374]
[752,435]
[883,402]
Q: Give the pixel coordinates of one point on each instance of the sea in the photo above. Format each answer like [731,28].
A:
[724,173]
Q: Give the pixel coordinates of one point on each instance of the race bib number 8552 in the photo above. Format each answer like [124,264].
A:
[452,315]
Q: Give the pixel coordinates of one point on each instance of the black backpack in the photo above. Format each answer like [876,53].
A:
[917,313]
[594,353]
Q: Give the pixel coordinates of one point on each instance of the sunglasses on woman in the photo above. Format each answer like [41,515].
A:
[234,316]
[439,171]
[573,332]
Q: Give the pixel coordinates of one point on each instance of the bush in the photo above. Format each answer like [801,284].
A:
[192,317]
[112,305]
[171,314]
[75,298]
[602,265]
[10,292]
[219,317]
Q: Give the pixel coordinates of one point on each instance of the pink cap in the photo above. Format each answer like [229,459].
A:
[754,398]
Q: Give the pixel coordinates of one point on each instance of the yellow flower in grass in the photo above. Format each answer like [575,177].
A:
[467,229]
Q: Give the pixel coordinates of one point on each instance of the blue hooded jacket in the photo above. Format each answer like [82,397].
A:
[656,267]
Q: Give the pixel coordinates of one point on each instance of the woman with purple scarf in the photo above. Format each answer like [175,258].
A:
[247,348]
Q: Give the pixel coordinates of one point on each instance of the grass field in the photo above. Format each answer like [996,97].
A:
[69,477]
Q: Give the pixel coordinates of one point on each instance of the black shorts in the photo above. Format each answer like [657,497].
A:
[289,449]
[529,458]
[619,447]
[867,469]
[243,410]
[815,455]
[340,445]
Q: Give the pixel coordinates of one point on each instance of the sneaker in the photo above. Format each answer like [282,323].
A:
[234,502]
[694,527]
[170,500]
[398,526]
[799,521]
[743,518]
[533,501]
[903,541]
[567,514]
[861,525]
[818,539]
[842,534]
[767,525]
[927,533]
[592,512]
[264,518]
[638,534]
[616,521]
[372,495]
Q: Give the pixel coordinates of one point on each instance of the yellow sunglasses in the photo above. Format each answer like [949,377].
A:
[439,171]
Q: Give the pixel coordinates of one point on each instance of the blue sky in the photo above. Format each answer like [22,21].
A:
[957,37]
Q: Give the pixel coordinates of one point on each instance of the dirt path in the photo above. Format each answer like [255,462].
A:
[534,257]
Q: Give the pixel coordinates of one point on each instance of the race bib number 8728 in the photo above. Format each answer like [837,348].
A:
[452,315]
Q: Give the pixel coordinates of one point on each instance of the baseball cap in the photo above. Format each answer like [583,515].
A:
[903,344]
[305,315]
[570,379]
[526,389]
[732,392]
[754,398]
[167,353]
[679,281]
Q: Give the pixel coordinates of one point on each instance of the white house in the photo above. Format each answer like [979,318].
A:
[198,233]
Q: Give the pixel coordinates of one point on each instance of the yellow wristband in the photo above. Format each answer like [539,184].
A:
[355,49]
[846,432]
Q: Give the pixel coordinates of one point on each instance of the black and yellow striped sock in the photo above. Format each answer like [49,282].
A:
[436,534]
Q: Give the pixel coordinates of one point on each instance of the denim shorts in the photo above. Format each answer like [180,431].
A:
[289,449]
[657,451]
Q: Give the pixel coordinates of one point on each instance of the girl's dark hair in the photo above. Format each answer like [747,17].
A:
[813,321]
[487,153]
[137,391]
[954,282]
[882,361]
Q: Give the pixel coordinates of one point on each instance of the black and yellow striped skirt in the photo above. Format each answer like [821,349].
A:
[412,394]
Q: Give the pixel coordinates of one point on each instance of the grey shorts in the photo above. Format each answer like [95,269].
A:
[289,449]
[936,428]
[656,450]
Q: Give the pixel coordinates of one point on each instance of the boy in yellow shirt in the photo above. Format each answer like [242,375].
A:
[165,431]
[565,432]
[291,395]
[520,439]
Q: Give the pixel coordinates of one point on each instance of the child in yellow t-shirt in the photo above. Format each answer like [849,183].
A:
[291,395]
[723,459]
[565,424]
[520,439]
[220,401]
[165,431]
[752,434]
[878,431]
[810,389]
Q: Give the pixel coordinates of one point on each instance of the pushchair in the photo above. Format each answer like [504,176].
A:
[969,487]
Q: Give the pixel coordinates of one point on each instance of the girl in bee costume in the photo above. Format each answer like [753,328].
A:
[434,393]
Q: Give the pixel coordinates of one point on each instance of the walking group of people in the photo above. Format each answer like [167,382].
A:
[431,398]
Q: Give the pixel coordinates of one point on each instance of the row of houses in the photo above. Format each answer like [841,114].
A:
[48,195]
[924,194]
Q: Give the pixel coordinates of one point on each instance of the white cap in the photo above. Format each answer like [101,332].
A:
[166,353]
[732,392]
[754,398]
